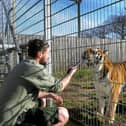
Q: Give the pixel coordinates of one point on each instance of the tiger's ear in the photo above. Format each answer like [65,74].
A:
[105,52]
[92,50]
[95,50]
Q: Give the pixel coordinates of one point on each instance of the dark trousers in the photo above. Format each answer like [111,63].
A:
[38,117]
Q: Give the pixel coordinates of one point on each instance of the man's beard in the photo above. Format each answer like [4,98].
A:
[44,64]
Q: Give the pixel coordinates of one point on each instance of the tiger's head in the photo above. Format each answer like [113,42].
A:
[99,56]
[88,56]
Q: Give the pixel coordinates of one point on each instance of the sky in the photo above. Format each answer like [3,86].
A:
[64,21]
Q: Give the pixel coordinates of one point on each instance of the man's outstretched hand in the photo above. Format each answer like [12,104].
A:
[72,70]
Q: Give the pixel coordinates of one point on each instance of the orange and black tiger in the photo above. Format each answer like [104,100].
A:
[110,78]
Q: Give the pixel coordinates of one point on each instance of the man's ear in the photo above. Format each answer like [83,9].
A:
[39,54]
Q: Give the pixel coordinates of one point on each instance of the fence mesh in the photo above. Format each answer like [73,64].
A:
[75,25]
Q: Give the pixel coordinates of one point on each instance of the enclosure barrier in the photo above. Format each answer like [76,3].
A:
[70,27]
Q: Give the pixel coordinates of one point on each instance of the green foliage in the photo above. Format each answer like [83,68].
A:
[59,74]
[81,101]
[83,74]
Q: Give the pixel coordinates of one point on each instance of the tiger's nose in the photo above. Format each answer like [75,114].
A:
[96,57]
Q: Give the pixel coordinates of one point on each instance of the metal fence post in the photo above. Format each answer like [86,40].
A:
[78,2]
[47,28]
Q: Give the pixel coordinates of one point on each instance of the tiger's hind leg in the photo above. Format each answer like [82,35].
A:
[113,101]
[101,105]
[101,99]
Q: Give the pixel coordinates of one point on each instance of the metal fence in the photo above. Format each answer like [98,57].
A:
[70,26]
[79,24]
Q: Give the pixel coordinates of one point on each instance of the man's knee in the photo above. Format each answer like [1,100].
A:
[63,115]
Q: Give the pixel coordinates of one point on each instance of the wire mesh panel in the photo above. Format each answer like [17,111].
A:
[72,26]
[76,26]
[21,20]
[5,38]
[27,19]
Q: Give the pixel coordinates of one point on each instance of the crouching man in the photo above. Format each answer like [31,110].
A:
[29,81]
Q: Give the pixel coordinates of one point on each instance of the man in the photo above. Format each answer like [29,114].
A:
[27,81]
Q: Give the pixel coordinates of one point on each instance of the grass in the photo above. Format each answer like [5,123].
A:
[81,101]
[72,123]
[81,73]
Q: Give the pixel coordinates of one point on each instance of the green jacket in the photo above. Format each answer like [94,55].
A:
[21,87]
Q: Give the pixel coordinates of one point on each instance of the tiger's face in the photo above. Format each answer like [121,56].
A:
[88,56]
[100,58]
[100,55]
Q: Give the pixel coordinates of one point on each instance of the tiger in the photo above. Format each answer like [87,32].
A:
[110,78]
[88,57]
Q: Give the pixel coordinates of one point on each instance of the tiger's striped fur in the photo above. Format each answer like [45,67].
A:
[109,83]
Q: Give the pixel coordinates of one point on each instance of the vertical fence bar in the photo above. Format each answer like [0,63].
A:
[79,21]
[47,28]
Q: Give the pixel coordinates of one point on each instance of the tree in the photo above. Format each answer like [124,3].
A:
[114,24]
[99,32]
[117,25]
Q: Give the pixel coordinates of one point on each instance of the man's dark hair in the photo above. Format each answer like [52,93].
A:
[36,45]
